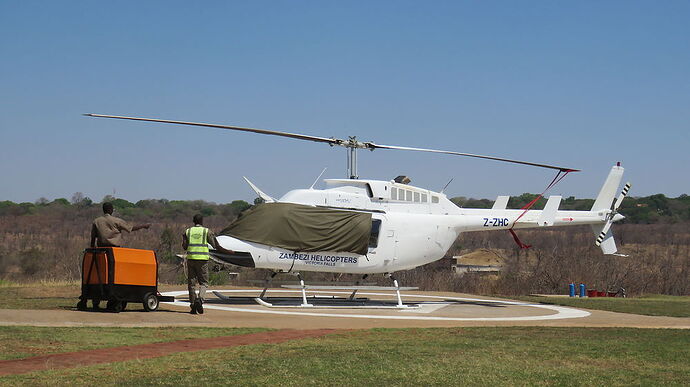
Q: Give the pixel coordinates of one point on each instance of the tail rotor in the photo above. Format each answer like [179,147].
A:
[611,217]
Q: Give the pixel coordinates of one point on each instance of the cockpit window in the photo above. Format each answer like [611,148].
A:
[375,229]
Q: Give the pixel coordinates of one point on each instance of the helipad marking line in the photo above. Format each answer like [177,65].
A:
[427,308]
[561,312]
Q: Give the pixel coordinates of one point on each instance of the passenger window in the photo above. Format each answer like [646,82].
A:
[408,196]
[394,193]
[375,230]
[434,199]
[416,197]
[424,198]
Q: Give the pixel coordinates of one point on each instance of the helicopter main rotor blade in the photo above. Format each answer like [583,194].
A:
[377,146]
[331,141]
[351,143]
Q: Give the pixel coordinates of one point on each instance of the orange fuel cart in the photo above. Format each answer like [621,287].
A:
[120,275]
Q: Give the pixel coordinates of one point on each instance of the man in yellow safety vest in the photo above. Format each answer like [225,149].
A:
[196,240]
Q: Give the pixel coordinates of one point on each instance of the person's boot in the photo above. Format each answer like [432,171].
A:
[193,308]
[200,307]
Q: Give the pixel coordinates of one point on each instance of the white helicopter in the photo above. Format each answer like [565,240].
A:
[366,227]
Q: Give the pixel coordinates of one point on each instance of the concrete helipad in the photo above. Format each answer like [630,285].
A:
[382,306]
[434,309]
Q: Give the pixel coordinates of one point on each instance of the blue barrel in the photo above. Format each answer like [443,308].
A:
[571,288]
[582,290]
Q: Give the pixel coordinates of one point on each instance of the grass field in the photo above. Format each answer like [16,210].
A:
[49,295]
[452,356]
[653,305]
[20,342]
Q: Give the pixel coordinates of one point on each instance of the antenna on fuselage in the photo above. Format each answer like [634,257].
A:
[447,184]
[317,179]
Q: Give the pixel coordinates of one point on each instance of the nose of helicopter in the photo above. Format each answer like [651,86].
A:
[233,251]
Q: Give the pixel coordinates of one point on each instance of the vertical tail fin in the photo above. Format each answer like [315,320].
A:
[609,189]
[606,200]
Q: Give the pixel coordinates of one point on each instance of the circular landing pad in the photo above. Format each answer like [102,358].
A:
[381,306]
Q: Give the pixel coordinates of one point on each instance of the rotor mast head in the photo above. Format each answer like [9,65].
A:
[352,144]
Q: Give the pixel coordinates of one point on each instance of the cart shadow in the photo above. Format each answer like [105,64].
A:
[105,310]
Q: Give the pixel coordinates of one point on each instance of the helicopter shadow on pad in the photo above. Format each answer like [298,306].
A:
[340,302]
[315,301]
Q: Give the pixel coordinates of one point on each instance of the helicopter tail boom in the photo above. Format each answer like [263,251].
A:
[601,216]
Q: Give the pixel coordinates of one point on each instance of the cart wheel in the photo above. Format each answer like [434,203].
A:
[81,305]
[150,302]
[115,306]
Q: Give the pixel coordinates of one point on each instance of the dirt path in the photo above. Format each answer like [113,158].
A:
[145,351]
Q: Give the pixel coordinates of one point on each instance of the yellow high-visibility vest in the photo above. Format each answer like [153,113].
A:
[197,247]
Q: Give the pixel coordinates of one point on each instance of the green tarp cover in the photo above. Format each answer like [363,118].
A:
[298,227]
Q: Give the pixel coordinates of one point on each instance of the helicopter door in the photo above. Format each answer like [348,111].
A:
[382,241]
[378,243]
[375,234]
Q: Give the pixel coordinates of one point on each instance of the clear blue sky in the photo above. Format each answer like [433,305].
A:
[582,84]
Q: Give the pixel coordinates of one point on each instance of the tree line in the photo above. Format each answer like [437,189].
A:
[162,209]
[638,210]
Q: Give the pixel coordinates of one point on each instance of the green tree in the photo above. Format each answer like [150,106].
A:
[60,202]
[78,199]
[231,210]
[122,203]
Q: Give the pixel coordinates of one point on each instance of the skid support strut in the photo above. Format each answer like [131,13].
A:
[354,292]
[397,290]
[304,290]
[268,283]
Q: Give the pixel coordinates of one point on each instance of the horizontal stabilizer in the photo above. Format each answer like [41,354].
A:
[549,213]
[501,203]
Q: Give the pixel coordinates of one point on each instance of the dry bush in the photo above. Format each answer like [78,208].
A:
[659,262]
[49,246]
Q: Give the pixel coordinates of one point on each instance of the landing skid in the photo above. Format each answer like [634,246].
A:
[323,302]
[315,301]
[337,303]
